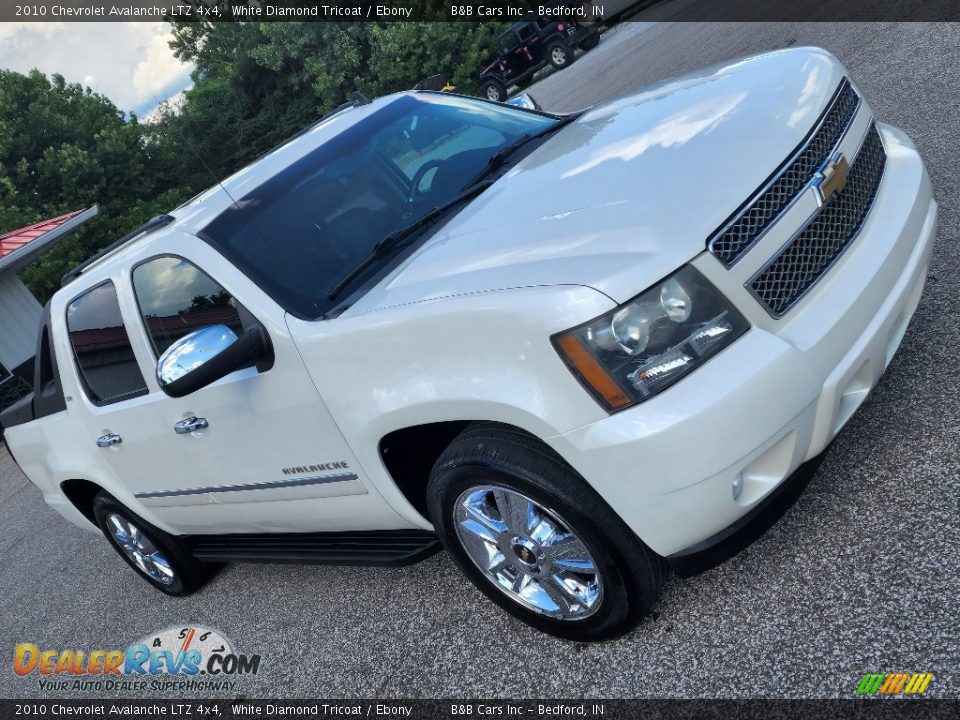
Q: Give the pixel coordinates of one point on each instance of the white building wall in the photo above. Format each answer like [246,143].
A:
[19,321]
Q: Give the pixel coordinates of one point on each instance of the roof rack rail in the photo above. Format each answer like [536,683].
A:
[356,102]
[154,223]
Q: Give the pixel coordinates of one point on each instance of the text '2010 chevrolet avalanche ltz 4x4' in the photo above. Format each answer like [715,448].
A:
[574,350]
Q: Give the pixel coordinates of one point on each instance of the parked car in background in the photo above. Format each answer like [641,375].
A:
[435,83]
[529,46]
[575,350]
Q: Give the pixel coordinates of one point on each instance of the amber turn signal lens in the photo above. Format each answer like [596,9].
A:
[592,372]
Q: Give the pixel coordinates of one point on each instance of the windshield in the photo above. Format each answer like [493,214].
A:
[307,226]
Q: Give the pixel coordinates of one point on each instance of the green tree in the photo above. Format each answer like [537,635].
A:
[64,148]
[404,53]
[257,83]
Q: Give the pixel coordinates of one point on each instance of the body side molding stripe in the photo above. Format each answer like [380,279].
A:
[269,485]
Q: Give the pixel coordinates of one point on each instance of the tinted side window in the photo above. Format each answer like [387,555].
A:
[101,346]
[526,33]
[176,298]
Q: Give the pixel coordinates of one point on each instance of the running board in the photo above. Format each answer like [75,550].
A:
[373,547]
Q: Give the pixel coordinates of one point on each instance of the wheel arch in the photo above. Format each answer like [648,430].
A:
[409,453]
[492,76]
[81,494]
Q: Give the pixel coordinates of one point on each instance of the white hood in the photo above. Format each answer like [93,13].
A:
[631,190]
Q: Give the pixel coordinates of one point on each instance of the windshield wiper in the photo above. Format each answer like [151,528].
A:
[477,184]
[500,157]
[503,154]
[400,237]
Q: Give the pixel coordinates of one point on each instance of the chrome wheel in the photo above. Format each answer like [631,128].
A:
[493,93]
[141,551]
[528,552]
[559,55]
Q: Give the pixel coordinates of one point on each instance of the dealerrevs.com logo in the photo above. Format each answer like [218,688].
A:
[179,658]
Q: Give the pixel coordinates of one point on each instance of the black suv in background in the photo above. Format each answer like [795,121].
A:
[528,46]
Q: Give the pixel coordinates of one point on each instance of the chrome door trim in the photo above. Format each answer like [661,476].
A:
[268,485]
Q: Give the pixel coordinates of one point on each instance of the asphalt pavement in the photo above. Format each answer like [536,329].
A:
[861,575]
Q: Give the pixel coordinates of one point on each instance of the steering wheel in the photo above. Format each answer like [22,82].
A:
[418,177]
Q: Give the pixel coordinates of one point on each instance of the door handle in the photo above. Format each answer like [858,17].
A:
[191,424]
[109,440]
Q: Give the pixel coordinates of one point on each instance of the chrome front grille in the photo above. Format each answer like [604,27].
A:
[746,226]
[808,255]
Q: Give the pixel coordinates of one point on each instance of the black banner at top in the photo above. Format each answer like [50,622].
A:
[477,10]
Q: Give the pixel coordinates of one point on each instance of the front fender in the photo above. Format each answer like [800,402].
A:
[483,356]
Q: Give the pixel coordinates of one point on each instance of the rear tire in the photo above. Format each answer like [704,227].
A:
[559,55]
[162,559]
[495,90]
[558,557]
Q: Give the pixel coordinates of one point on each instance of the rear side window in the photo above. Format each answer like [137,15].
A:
[176,298]
[101,347]
[526,33]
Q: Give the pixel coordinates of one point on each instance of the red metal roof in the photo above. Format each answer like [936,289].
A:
[16,239]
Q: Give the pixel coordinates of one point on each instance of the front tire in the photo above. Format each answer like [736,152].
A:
[161,559]
[495,90]
[536,539]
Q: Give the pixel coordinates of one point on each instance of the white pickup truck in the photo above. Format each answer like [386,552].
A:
[575,350]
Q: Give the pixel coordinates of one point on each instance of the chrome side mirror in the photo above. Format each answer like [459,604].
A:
[206,355]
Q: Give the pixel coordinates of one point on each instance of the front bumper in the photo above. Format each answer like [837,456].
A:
[777,396]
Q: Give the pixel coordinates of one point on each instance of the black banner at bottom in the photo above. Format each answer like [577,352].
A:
[882,709]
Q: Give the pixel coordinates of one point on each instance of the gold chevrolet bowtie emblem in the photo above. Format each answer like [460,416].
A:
[832,177]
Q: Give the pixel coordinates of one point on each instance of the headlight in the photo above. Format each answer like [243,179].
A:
[638,349]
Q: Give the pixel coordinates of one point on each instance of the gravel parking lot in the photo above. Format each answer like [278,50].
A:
[861,575]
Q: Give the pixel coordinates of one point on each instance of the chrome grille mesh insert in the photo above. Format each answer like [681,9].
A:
[749,222]
[804,260]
